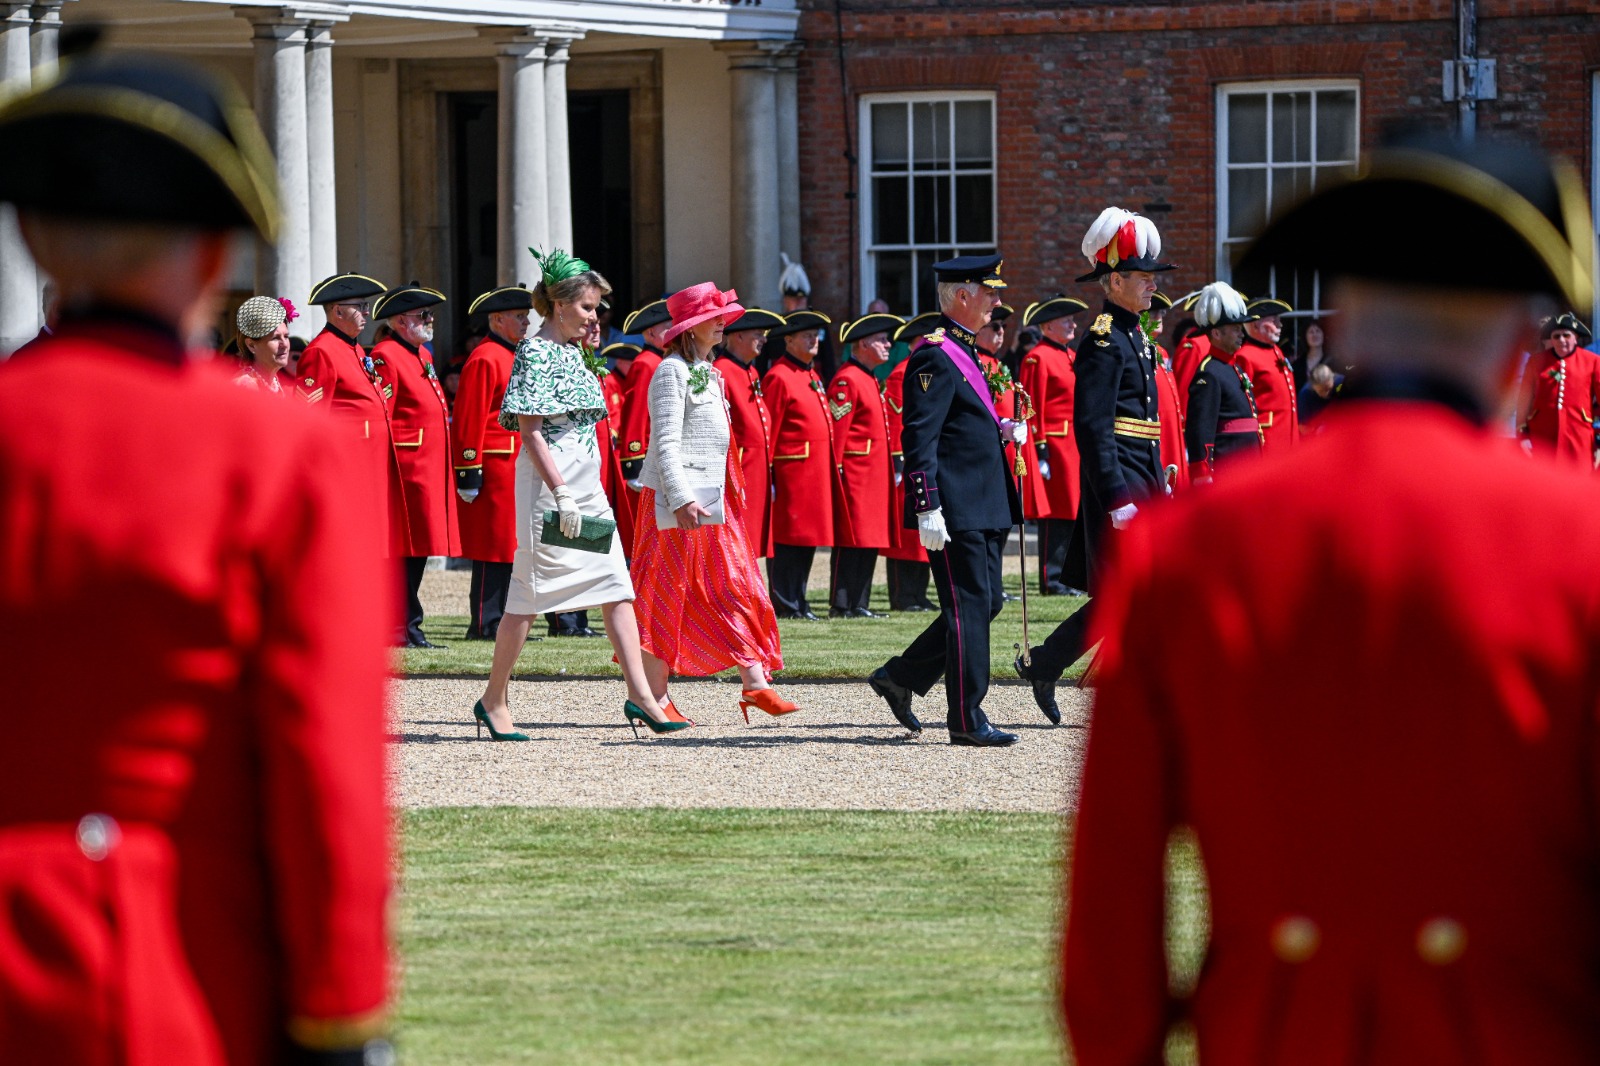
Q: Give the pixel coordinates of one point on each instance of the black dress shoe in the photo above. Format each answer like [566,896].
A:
[863,612]
[1044,692]
[899,698]
[1055,588]
[424,643]
[808,615]
[987,737]
[838,612]
[1008,598]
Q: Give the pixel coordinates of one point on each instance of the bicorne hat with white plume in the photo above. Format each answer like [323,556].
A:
[1122,241]
[793,278]
[1219,304]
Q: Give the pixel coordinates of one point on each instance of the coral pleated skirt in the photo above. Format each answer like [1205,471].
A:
[701,602]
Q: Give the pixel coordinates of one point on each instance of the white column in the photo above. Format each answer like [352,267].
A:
[788,56]
[558,161]
[524,191]
[753,179]
[46,38]
[280,45]
[19,281]
[323,220]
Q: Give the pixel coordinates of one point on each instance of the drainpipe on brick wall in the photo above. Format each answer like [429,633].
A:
[1467,52]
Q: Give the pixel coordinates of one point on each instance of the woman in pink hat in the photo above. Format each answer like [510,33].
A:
[701,603]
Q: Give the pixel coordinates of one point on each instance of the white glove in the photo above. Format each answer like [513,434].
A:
[899,479]
[1044,469]
[571,517]
[636,485]
[930,527]
[467,495]
[1017,431]
[1121,516]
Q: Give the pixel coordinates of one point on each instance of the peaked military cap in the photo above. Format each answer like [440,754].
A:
[405,299]
[868,326]
[984,269]
[799,322]
[753,318]
[651,314]
[1491,215]
[343,287]
[138,139]
[511,298]
[1049,310]
[920,326]
[1269,305]
[1567,320]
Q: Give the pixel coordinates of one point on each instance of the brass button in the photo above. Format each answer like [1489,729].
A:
[1440,941]
[1295,938]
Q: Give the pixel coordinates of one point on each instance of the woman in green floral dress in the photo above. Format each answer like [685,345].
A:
[554,400]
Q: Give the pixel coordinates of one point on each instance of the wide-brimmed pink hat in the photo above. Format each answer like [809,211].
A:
[698,303]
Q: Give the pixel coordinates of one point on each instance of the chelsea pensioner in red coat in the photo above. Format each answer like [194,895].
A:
[750,423]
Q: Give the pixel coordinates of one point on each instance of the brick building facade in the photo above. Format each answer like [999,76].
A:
[1157,106]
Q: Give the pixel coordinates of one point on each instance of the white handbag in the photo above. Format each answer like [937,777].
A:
[708,496]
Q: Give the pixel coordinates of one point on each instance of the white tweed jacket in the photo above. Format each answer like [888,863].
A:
[688,433]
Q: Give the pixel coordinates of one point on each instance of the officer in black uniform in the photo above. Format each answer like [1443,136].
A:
[1223,419]
[961,499]
[1116,418]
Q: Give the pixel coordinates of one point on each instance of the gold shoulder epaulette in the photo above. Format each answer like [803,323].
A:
[1102,325]
[936,336]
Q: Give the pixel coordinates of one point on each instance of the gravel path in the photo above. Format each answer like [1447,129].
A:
[842,750]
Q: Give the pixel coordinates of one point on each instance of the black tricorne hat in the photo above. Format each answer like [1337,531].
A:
[868,326]
[984,269]
[651,314]
[920,326]
[1055,307]
[799,322]
[1159,302]
[620,350]
[753,318]
[1001,312]
[1264,306]
[1492,215]
[404,299]
[134,138]
[1567,320]
[511,298]
[348,286]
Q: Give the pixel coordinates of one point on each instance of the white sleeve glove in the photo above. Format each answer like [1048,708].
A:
[1016,431]
[571,517]
[930,527]
[1044,469]
[467,495]
[636,485]
[1121,516]
[900,478]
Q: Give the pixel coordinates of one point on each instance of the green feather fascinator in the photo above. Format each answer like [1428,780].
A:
[557,266]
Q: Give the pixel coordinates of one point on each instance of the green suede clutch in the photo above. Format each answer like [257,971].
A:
[595,536]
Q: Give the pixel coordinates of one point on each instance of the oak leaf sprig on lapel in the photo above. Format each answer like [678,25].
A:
[592,361]
[700,378]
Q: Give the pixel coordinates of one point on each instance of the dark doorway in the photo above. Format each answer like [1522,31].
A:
[474,123]
[599,138]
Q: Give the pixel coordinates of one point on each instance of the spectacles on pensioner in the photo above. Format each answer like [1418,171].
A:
[364,307]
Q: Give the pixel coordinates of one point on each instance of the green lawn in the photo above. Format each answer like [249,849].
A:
[828,648]
[736,936]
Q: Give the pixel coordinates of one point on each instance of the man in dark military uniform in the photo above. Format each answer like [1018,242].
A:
[1116,416]
[1223,419]
[962,499]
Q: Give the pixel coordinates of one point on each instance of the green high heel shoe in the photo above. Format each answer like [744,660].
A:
[633,715]
[483,720]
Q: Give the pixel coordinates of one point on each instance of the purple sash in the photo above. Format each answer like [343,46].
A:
[971,371]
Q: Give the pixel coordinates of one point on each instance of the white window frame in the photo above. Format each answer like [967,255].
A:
[1256,88]
[868,272]
[1594,171]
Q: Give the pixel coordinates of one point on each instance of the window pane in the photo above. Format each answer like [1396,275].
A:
[1247,202]
[1291,127]
[1247,127]
[932,214]
[1325,176]
[927,294]
[890,220]
[930,135]
[889,136]
[1336,125]
[1290,185]
[975,209]
[974,136]
[1251,283]
[893,280]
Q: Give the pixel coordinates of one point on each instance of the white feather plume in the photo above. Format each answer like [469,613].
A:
[793,278]
[1147,238]
[1216,302]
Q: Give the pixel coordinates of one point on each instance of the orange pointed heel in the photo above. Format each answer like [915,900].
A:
[764,699]
[675,715]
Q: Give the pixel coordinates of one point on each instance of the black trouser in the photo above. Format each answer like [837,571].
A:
[567,622]
[1055,534]
[908,584]
[852,578]
[966,575]
[415,565]
[1064,646]
[486,599]
[787,573]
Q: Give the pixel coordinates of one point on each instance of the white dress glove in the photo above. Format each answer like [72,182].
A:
[1044,469]
[930,527]
[1121,516]
[1016,431]
[571,517]
[467,495]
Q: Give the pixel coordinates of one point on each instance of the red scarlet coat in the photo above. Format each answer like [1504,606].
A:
[751,426]
[421,424]
[1186,363]
[861,450]
[1557,414]
[905,544]
[635,431]
[1171,404]
[611,480]
[1402,854]
[333,377]
[488,524]
[1047,375]
[805,477]
[233,731]
[1276,395]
